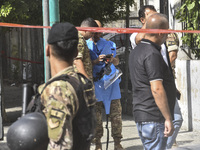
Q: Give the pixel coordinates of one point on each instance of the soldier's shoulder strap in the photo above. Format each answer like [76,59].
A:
[88,90]
[84,90]
[35,104]
[82,84]
[63,77]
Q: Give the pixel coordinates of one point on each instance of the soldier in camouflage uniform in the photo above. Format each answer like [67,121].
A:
[172,44]
[59,97]
[83,62]
[116,124]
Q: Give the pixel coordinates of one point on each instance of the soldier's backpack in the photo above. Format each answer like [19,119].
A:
[84,121]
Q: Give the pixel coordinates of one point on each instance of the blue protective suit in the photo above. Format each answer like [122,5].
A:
[113,91]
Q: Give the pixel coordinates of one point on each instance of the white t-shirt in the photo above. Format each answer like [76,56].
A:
[132,39]
[163,47]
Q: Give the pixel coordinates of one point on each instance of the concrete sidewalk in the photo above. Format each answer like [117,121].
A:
[131,141]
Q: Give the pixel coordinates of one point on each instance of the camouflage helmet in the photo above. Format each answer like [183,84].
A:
[172,42]
[28,133]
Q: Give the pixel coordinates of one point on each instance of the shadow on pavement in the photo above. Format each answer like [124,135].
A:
[137,147]
[185,142]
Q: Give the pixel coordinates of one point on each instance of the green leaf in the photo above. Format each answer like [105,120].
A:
[183,6]
[5,9]
[191,6]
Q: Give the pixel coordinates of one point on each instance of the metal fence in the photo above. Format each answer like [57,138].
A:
[22,55]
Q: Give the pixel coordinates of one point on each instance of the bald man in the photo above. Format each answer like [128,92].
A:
[154,90]
[107,97]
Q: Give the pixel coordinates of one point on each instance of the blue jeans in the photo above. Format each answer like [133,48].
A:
[152,135]
[178,120]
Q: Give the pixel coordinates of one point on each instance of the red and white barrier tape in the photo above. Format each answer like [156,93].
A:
[106,30]
[96,29]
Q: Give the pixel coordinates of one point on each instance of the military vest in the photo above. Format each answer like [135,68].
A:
[84,120]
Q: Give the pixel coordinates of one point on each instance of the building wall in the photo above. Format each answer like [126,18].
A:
[187,77]
[155,3]
[188,82]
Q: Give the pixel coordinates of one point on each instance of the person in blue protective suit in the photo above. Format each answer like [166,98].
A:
[107,90]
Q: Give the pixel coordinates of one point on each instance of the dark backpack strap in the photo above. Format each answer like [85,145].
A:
[61,77]
[35,104]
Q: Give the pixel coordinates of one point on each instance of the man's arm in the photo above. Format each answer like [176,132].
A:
[115,60]
[59,119]
[140,36]
[80,67]
[82,47]
[136,38]
[160,97]
[172,57]
[99,59]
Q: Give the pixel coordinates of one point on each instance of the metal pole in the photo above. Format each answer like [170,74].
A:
[45,36]
[189,97]
[50,16]
[126,57]
[54,14]
[1,87]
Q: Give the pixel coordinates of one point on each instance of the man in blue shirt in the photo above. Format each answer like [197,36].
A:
[107,90]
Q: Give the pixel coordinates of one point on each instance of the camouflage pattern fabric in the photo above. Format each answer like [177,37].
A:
[84,55]
[172,44]
[114,116]
[61,105]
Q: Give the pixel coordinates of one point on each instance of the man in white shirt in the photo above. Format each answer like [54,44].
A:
[144,13]
[135,38]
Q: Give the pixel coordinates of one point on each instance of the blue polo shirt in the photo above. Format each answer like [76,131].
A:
[113,91]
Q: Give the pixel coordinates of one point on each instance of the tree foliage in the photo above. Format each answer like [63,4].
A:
[104,10]
[74,11]
[189,14]
[5,9]
[21,11]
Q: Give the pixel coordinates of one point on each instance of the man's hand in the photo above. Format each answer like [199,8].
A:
[109,58]
[169,128]
[99,59]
